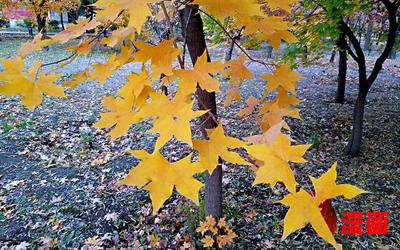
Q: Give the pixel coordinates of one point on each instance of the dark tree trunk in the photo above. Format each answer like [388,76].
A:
[397,43]
[355,140]
[196,45]
[62,21]
[393,54]
[333,55]
[365,83]
[30,31]
[342,69]
[367,40]
[41,24]
[229,52]
[269,51]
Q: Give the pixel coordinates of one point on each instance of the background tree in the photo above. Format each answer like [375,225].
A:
[349,18]
[62,6]
[40,9]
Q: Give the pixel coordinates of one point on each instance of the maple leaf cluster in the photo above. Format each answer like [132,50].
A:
[213,232]
[270,154]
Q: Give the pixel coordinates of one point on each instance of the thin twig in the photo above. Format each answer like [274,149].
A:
[185,39]
[215,119]
[171,29]
[59,61]
[230,37]
[75,53]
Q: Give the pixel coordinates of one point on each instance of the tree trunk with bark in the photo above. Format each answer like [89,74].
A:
[30,31]
[333,56]
[342,69]
[229,52]
[365,82]
[367,39]
[192,27]
[397,44]
[269,51]
[62,21]
[355,141]
[41,24]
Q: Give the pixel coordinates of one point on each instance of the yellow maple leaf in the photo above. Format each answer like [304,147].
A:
[216,146]
[208,241]
[202,228]
[11,68]
[75,30]
[36,44]
[304,208]
[118,36]
[138,11]
[172,120]
[325,187]
[154,240]
[276,37]
[161,56]
[160,177]
[273,169]
[222,223]
[266,138]
[274,114]
[30,86]
[201,74]
[252,104]
[121,116]
[125,56]
[102,71]
[282,147]
[284,77]
[229,236]
[262,26]
[284,100]
[230,8]
[84,47]
[78,79]
[137,83]
[210,220]
[275,158]
[232,94]
[237,71]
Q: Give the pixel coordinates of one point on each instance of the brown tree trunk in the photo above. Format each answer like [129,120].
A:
[342,69]
[196,44]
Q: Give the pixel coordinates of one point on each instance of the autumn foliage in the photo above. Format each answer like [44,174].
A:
[271,154]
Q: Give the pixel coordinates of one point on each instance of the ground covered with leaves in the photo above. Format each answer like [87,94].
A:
[58,174]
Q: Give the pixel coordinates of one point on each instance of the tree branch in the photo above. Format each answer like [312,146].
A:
[391,39]
[171,29]
[351,52]
[230,37]
[362,71]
